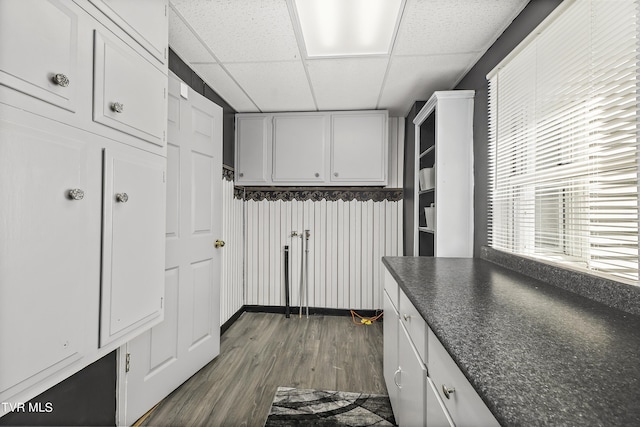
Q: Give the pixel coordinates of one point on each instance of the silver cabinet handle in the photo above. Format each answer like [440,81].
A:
[76,194]
[61,80]
[122,197]
[447,391]
[395,380]
[117,107]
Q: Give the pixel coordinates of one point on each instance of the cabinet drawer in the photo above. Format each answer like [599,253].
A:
[464,405]
[415,324]
[39,40]
[133,242]
[129,92]
[144,20]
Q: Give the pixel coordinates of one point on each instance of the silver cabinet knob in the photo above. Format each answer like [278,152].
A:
[335,174]
[447,391]
[76,194]
[61,80]
[406,317]
[117,107]
[317,174]
[122,197]
[241,174]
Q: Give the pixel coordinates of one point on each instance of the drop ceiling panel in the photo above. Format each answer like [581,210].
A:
[347,84]
[184,42]
[243,30]
[217,78]
[275,86]
[415,78]
[453,26]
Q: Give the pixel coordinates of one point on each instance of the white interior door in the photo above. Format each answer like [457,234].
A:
[189,337]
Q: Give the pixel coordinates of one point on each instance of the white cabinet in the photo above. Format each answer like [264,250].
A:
[340,148]
[39,45]
[144,20]
[359,148]
[444,144]
[50,251]
[391,363]
[462,402]
[253,149]
[299,148]
[129,92]
[80,272]
[133,249]
[425,385]
[413,377]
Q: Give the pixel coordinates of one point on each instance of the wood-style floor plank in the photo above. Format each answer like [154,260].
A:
[262,351]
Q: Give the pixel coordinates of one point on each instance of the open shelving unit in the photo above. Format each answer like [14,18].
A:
[444,142]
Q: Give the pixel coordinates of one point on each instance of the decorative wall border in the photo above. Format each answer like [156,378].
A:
[227,173]
[316,194]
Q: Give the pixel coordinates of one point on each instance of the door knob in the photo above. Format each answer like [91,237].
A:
[219,243]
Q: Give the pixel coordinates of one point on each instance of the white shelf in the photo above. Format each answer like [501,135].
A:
[427,151]
[428,190]
[426,230]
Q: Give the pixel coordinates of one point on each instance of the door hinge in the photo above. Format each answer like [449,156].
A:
[161,301]
[127,361]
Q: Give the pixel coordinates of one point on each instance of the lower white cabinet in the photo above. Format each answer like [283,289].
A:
[49,251]
[425,386]
[413,377]
[133,249]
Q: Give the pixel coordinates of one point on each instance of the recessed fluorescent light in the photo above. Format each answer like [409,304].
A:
[347,27]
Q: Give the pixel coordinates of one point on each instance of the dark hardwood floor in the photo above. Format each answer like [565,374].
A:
[262,351]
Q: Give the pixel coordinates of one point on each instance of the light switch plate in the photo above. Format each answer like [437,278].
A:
[184,90]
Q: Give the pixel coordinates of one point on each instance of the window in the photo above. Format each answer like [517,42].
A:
[563,141]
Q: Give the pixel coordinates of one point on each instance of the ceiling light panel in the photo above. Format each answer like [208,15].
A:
[333,28]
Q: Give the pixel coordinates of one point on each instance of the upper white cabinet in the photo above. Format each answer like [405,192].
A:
[144,20]
[359,148]
[253,148]
[129,92]
[321,149]
[444,193]
[299,148]
[39,45]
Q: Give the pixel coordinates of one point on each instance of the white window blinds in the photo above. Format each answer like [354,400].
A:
[563,141]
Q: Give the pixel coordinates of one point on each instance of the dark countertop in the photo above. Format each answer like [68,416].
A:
[536,354]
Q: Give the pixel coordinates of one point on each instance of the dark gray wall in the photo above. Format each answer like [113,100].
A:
[87,398]
[534,13]
[186,74]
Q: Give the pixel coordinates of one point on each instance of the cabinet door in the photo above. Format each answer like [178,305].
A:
[299,148]
[133,242]
[50,253]
[390,361]
[144,20]
[129,92]
[39,40]
[437,415]
[359,144]
[252,149]
[413,378]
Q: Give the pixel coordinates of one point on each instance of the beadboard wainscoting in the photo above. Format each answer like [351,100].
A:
[231,287]
[348,239]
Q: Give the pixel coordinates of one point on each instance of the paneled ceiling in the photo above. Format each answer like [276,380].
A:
[248,51]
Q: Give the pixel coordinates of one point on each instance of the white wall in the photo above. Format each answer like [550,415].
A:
[231,287]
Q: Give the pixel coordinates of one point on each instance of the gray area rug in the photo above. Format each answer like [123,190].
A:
[296,407]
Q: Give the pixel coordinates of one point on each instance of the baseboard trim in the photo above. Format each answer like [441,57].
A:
[319,311]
